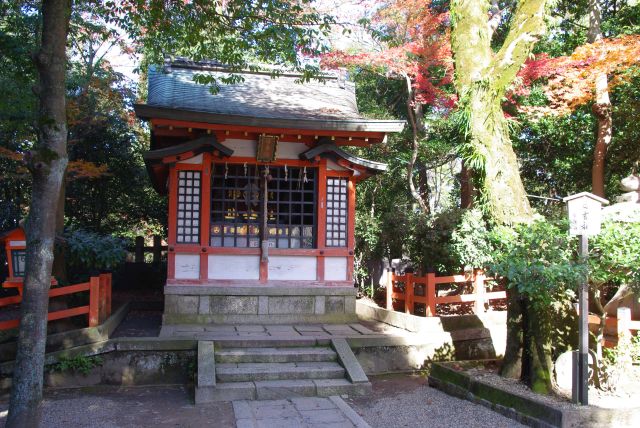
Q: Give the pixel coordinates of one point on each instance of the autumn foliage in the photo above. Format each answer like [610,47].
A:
[419,48]
[569,81]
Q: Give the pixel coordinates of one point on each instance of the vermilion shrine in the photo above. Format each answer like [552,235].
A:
[261,190]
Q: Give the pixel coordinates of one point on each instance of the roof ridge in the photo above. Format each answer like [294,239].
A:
[182,62]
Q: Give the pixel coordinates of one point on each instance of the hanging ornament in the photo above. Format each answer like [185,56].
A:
[286,177]
[245,169]
[226,170]
[304,175]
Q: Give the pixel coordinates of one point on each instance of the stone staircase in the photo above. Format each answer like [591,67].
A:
[277,371]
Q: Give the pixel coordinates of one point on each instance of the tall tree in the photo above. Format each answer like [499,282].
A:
[47,163]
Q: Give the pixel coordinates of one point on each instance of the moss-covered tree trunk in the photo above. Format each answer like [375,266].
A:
[482,76]
[512,362]
[47,164]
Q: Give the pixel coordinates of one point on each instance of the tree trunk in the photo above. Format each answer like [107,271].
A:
[601,108]
[47,164]
[414,119]
[538,368]
[512,361]
[466,187]
[503,192]
[481,79]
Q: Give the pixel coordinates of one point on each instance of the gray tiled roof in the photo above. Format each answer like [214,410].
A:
[258,96]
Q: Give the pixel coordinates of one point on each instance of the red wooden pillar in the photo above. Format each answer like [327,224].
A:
[322,218]
[173,213]
[205,214]
[351,225]
[431,294]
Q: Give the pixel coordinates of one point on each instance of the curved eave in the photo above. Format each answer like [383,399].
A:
[147,112]
[158,161]
[332,151]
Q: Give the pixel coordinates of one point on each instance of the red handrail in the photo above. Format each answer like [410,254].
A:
[98,309]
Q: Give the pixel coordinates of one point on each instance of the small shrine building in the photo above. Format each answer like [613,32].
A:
[262,191]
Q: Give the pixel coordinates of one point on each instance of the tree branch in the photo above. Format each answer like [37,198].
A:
[527,24]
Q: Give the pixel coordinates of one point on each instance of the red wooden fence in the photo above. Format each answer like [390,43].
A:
[423,289]
[98,309]
[615,327]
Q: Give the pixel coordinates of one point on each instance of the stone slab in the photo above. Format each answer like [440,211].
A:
[355,418]
[233,305]
[226,392]
[276,389]
[349,361]
[319,305]
[291,305]
[329,387]
[206,364]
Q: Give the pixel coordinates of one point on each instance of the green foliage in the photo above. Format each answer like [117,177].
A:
[539,260]
[94,251]
[614,255]
[469,244]
[79,364]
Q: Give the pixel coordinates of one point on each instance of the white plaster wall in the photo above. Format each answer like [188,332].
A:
[247,148]
[241,148]
[331,165]
[194,160]
[335,268]
[234,267]
[187,266]
[292,268]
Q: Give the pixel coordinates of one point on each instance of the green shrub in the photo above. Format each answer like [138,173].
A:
[91,250]
[78,364]
[540,260]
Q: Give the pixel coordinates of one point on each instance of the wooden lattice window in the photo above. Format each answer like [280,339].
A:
[236,206]
[188,228]
[337,212]
[18,258]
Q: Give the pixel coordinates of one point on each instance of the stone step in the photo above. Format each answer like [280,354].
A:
[275,355]
[279,389]
[243,372]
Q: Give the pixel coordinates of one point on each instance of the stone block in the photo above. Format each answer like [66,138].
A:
[350,304]
[204,307]
[234,305]
[188,305]
[329,387]
[334,305]
[263,305]
[320,302]
[291,305]
[171,304]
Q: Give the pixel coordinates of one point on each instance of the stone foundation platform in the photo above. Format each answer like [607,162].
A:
[206,304]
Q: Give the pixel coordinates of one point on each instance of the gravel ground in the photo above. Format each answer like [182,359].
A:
[408,401]
[128,407]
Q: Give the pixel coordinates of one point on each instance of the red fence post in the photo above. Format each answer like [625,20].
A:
[94,294]
[431,295]
[109,294]
[102,299]
[624,321]
[390,290]
[408,293]
[479,291]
